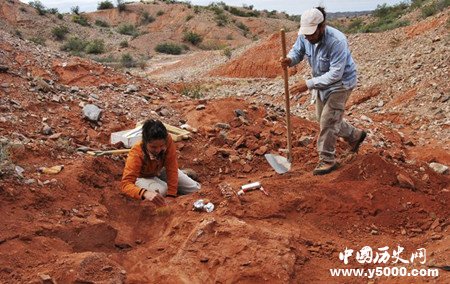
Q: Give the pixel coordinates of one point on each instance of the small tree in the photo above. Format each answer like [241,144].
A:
[121,5]
[104,5]
[75,10]
[40,8]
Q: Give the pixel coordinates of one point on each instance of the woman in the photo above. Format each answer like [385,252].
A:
[151,171]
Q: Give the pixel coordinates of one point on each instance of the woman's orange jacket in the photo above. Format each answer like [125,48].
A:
[139,167]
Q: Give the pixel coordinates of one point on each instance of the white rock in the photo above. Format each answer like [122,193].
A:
[439,168]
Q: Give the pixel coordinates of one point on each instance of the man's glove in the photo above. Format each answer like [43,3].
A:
[155,198]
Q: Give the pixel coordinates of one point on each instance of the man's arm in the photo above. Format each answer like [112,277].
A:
[338,59]
[297,52]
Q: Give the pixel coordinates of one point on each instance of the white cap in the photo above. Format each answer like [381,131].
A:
[309,21]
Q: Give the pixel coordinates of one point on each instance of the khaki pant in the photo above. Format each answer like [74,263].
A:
[186,185]
[330,115]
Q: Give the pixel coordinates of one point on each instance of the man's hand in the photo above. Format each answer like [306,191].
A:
[155,198]
[300,87]
[285,62]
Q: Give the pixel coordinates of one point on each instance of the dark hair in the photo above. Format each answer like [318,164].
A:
[322,10]
[152,130]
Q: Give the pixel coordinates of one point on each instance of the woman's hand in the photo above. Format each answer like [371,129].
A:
[155,198]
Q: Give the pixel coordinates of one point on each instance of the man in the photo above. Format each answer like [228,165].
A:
[151,171]
[334,77]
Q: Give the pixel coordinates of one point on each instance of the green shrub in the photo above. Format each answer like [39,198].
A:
[127,29]
[212,45]
[127,61]
[193,38]
[23,9]
[74,44]
[193,91]
[227,52]
[124,44]
[101,23]
[104,5]
[243,27]
[427,11]
[108,59]
[96,46]
[434,7]
[81,20]
[38,40]
[169,48]
[196,9]
[380,26]
[40,8]
[53,11]
[18,33]
[441,5]
[241,13]
[146,18]
[417,3]
[60,32]
[189,17]
[60,16]
[221,20]
[160,13]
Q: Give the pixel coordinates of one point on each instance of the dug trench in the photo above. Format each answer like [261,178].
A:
[80,228]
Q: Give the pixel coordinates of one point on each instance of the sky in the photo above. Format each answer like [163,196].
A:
[293,7]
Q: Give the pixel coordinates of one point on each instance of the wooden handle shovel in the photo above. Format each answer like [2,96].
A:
[279,163]
[286,95]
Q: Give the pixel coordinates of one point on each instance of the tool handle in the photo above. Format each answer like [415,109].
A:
[101,153]
[286,94]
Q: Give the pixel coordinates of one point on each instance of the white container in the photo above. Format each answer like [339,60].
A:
[253,185]
[127,140]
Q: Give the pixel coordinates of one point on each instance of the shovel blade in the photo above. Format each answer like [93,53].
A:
[280,164]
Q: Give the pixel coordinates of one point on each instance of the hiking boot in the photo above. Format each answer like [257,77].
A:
[324,168]
[355,145]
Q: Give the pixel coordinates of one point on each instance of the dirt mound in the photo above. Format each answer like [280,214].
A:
[258,62]
[79,72]
[425,26]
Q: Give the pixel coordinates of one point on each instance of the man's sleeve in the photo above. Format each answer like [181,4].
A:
[171,165]
[338,59]
[297,52]
[131,173]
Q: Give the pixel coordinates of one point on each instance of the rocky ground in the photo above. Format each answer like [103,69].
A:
[74,225]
